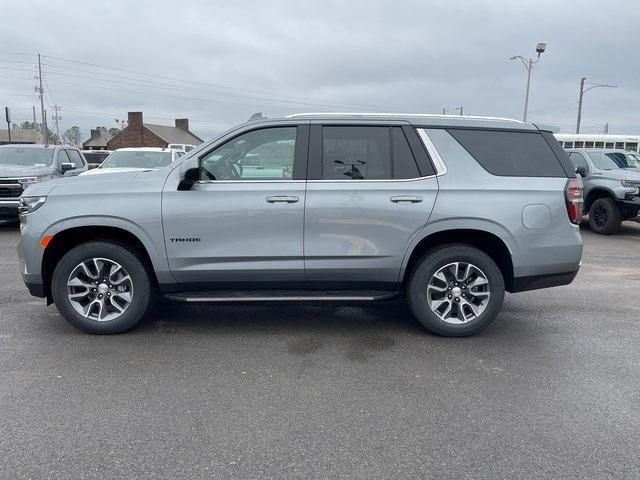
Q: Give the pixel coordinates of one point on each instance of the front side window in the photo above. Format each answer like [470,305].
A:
[63,157]
[36,157]
[266,154]
[75,157]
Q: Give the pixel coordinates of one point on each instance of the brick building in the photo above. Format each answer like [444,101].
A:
[96,142]
[137,133]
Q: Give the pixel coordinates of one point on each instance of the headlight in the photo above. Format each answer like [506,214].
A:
[630,183]
[30,204]
[26,181]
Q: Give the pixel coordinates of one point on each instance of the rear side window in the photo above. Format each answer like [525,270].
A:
[366,153]
[514,154]
[356,153]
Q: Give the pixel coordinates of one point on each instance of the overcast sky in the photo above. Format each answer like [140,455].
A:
[217,62]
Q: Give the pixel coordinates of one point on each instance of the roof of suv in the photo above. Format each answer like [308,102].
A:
[427,120]
[35,145]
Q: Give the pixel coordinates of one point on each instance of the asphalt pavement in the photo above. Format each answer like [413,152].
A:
[550,390]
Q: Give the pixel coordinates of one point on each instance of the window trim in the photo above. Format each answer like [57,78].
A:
[315,156]
[438,163]
[300,155]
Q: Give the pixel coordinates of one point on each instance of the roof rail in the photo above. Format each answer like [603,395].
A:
[382,114]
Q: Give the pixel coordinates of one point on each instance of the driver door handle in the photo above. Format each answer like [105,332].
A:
[282,199]
[407,199]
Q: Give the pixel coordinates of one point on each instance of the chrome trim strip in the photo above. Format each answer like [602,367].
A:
[207,182]
[11,202]
[10,185]
[438,163]
[383,180]
[328,298]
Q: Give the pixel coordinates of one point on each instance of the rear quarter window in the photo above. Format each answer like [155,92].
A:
[513,154]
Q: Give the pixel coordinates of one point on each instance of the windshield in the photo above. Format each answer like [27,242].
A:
[137,159]
[32,157]
[606,162]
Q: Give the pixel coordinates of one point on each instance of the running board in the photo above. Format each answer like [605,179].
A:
[282,296]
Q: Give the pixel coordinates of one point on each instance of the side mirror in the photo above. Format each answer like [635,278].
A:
[189,174]
[66,166]
[581,170]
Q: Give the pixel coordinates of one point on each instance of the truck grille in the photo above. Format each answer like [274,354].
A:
[9,188]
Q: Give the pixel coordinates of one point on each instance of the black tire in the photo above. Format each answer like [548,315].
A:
[433,261]
[604,216]
[140,278]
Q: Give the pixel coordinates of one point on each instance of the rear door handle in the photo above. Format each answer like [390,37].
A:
[406,199]
[282,199]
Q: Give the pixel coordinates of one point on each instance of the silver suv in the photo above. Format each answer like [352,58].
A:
[23,165]
[449,211]
[611,187]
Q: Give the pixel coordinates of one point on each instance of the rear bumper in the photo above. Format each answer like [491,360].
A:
[9,209]
[536,282]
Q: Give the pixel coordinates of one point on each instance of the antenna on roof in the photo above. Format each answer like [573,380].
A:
[257,116]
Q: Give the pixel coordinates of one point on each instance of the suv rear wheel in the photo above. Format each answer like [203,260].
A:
[456,290]
[101,287]
[604,216]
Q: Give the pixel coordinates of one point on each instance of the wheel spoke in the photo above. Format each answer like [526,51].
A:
[99,289]
[458,292]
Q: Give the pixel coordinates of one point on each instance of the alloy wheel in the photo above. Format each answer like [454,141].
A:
[100,289]
[458,292]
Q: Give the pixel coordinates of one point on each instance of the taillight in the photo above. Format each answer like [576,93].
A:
[573,198]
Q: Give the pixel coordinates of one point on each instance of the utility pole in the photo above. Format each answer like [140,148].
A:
[40,91]
[7,114]
[528,65]
[581,95]
[56,117]
[606,128]
[34,117]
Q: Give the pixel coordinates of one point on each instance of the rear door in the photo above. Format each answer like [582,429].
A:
[371,188]
[241,225]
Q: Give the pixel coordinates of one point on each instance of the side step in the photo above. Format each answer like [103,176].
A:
[282,296]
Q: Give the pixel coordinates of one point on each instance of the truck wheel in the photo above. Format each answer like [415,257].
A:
[101,287]
[604,216]
[455,291]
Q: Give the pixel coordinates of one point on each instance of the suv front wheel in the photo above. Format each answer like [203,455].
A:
[604,216]
[456,290]
[101,287]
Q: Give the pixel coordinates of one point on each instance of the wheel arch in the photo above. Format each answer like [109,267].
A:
[596,193]
[64,240]
[490,242]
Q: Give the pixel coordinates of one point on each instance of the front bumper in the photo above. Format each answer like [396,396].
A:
[9,209]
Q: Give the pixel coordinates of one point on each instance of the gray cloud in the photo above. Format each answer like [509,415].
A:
[414,56]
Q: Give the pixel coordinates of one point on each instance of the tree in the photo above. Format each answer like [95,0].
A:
[103,132]
[113,131]
[72,136]
[52,137]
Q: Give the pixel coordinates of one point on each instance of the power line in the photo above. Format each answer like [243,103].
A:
[312,101]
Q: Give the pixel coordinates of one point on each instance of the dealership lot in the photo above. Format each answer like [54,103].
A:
[326,391]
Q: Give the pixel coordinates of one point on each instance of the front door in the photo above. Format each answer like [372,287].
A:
[241,225]
[370,191]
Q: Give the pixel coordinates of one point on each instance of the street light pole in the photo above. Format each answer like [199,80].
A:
[581,95]
[528,65]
